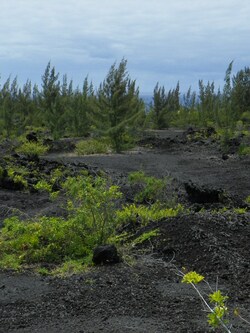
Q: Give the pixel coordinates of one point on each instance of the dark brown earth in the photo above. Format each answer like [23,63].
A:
[144,295]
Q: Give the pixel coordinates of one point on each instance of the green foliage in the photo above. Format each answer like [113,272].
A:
[43,185]
[54,181]
[145,236]
[92,202]
[92,146]
[91,222]
[240,210]
[218,315]
[244,150]
[31,148]
[145,214]
[70,267]
[151,189]
[18,174]
[220,311]
[45,240]
[119,107]
[9,261]
[192,277]
[215,304]
[164,106]
[115,109]
[247,200]
[217,298]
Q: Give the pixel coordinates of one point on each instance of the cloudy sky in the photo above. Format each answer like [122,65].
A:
[163,40]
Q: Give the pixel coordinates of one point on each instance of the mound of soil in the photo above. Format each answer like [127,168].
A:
[143,293]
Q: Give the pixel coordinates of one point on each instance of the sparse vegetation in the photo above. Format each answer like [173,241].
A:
[150,189]
[92,146]
[215,305]
[32,149]
[91,222]
[94,210]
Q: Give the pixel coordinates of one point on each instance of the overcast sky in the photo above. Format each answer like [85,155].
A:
[163,40]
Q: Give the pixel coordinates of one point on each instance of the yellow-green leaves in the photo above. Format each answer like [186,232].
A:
[217,297]
[216,317]
[192,277]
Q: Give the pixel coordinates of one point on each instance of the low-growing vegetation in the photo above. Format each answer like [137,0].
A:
[91,221]
[93,218]
[92,146]
[149,189]
[215,303]
[145,214]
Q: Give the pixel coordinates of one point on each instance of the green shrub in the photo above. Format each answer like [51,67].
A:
[150,189]
[214,303]
[145,214]
[92,146]
[31,148]
[70,267]
[18,174]
[91,221]
[247,200]
[93,201]
[244,150]
[48,239]
[145,236]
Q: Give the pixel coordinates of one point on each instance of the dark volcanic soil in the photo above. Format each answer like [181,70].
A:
[145,296]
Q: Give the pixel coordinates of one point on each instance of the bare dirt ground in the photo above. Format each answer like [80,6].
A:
[145,296]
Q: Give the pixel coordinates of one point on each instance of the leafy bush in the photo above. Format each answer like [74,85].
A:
[214,303]
[145,236]
[247,200]
[155,212]
[92,202]
[31,148]
[244,150]
[92,146]
[91,222]
[150,190]
[18,174]
[48,239]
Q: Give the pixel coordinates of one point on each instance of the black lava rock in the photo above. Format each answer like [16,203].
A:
[105,254]
[203,194]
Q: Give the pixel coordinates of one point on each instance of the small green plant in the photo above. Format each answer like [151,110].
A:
[192,277]
[91,222]
[55,180]
[43,271]
[69,268]
[92,146]
[17,174]
[9,261]
[240,210]
[247,200]
[32,149]
[244,150]
[215,305]
[225,136]
[145,214]
[145,236]
[150,190]
[43,185]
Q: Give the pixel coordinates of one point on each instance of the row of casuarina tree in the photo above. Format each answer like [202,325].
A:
[115,110]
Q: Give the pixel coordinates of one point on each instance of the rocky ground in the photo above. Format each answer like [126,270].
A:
[144,294]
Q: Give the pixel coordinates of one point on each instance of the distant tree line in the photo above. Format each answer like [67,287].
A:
[115,109]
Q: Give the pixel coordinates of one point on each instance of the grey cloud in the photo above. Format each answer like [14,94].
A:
[177,39]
